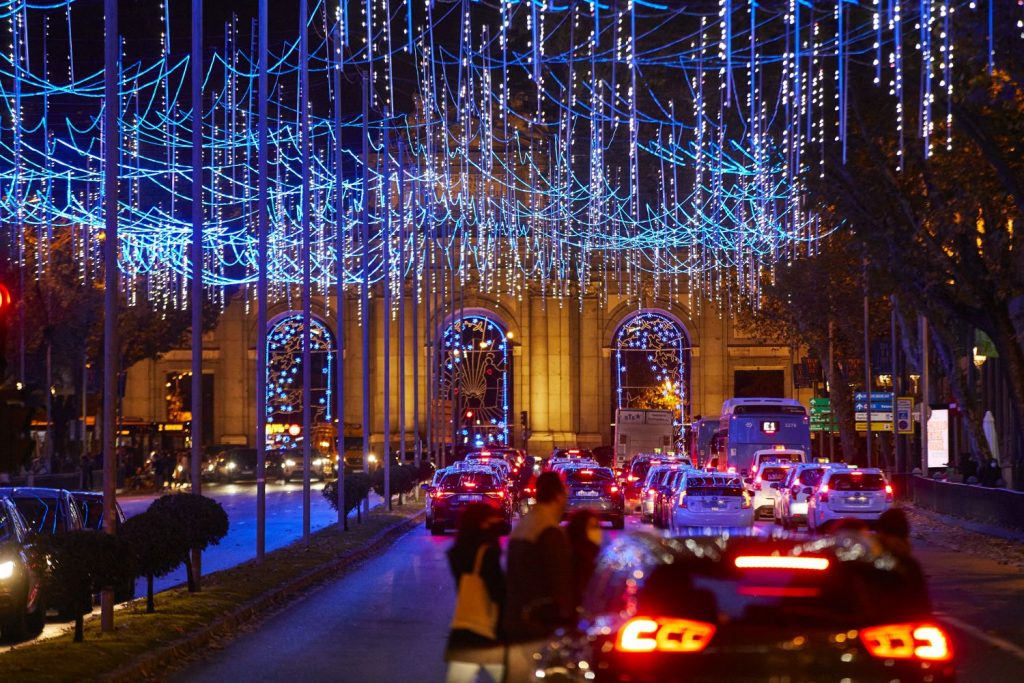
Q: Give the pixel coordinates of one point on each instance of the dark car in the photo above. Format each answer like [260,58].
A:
[750,608]
[46,511]
[595,489]
[636,474]
[239,464]
[90,507]
[22,611]
[459,488]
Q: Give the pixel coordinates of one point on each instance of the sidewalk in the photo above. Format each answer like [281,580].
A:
[995,543]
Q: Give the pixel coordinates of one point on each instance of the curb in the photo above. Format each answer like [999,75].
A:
[160,661]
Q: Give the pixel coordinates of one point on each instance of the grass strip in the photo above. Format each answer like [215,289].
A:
[141,643]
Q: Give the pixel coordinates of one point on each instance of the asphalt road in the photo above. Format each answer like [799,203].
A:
[387,621]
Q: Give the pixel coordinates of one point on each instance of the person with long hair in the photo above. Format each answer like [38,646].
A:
[477,553]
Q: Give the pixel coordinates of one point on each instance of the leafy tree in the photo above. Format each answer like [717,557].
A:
[156,543]
[83,563]
[15,443]
[357,487]
[201,520]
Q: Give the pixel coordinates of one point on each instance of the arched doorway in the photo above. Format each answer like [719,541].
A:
[284,381]
[474,380]
[651,366]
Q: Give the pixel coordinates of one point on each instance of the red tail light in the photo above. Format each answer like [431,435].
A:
[632,478]
[746,501]
[613,489]
[496,494]
[682,500]
[781,562]
[757,483]
[927,642]
[888,492]
[650,634]
[823,493]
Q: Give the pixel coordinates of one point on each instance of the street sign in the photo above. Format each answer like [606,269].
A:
[905,415]
[876,426]
[879,404]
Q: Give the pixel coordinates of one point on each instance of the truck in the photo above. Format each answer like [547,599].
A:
[642,431]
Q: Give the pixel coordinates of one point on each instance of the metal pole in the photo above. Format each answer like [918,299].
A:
[925,390]
[85,409]
[262,226]
[385,245]
[895,383]
[867,364]
[365,272]
[831,387]
[339,270]
[401,299]
[110,284]
[304,207]
[196,286]
[416,347]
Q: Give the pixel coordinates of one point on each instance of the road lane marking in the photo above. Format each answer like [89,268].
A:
[994,641]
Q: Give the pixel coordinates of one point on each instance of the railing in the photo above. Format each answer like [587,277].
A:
[978,503]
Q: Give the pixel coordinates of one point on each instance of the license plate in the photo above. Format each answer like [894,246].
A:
[588,494]
[857,500]
[471,498]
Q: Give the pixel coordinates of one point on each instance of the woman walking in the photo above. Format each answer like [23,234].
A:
[475,643]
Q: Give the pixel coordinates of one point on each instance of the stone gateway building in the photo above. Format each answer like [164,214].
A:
[533,370]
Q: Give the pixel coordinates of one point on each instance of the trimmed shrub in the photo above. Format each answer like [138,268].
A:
[202,520]
[157,544]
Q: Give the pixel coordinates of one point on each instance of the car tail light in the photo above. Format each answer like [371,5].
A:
[496,494]
[651,493]
[781,562]
[888,492]
[613,489]
[757,483]
[823,493]
[746,501]
[632,477]
[682,500]
[927,642]
[649,634]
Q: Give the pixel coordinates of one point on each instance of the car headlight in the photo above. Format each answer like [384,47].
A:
[232,465]
[372,458]
[318,462]
[289,463]
[6,569]
[211,467]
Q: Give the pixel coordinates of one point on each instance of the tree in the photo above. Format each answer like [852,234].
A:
[82,563]
[201,520]
[357,487]
[156,543]
[15,419]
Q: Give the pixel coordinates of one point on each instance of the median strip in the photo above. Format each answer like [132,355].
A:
[147,644]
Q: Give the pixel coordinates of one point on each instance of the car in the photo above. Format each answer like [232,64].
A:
[428,488]
[459,488]
[321,465]
[636,474]
[848,492]
[90,507]
[777,455]
[595,489]
[667,494]
[239,464]
[573,454]
[717,607]
[22,607]
[707,499]
[791,504]
[764,486]
[46,511]
[656,475]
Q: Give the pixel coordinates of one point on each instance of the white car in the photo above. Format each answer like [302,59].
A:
[711,499]
[765,485]
[649,491]
[796,489]
[848,493]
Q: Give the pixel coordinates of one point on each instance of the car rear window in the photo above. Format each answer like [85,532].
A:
[811,477]
[41,514]
[468,481]
[92,513]
[773,473]
[857,482]
[587,476]
[710,490]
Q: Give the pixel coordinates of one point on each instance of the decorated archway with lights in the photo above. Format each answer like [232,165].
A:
[284,380]
[651,366]
[474,378]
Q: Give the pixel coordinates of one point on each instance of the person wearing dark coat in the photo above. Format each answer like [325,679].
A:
[909,597]
[468,653]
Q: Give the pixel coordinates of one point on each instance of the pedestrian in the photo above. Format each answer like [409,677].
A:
[87,465]
[540,594]
[474,643]
[585,536]
[910,596]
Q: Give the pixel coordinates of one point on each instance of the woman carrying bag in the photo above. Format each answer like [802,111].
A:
[475,560]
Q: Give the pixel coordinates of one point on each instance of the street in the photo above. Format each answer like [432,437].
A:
[387,620]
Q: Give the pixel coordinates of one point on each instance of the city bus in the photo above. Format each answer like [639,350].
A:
[702,431]
[748,425]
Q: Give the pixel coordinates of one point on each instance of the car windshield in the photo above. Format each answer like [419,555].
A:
[41,513]
[589,476]
[857,481]
[467,481]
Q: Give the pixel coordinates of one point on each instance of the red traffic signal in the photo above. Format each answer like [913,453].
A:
[469,415]
[5,298]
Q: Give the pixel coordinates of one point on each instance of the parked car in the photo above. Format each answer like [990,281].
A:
[862,494]
[745,607]
[90,507]
[22,607]
[46,511]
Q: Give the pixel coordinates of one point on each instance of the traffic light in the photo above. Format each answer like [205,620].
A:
[467,417]
[6,305]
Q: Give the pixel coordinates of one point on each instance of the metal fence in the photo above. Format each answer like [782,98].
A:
[978,503]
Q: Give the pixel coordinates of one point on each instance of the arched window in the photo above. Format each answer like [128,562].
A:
[474,378]
[651,366]
[284,379]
